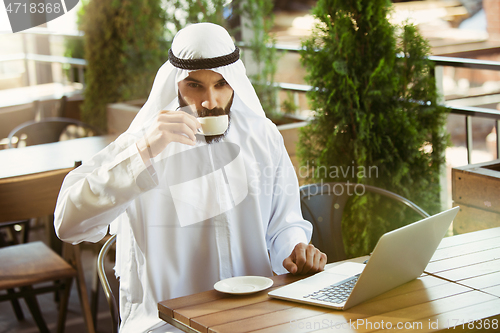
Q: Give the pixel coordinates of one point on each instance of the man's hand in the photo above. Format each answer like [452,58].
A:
[170,126]
[305,259]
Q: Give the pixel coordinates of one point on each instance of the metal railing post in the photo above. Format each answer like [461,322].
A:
[438,72]
[81,75]
[26,65]
[468,138]
[497,128]
[71,74]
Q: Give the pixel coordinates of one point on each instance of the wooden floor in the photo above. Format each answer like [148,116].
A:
[74,321]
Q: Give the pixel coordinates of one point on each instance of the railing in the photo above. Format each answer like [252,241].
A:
[470,111]
[467,111]
[79,64]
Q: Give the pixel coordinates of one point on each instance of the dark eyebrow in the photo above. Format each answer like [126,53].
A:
[192,80]
[199,82]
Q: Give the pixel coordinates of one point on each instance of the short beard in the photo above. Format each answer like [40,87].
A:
[217,111]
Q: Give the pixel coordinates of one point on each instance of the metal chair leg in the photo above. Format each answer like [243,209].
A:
[94,297]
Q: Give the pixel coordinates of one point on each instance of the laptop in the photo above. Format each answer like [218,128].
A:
[400,256]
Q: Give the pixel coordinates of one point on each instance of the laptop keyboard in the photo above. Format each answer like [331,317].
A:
[337,292]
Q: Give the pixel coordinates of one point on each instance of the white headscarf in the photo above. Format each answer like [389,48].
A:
[197,41]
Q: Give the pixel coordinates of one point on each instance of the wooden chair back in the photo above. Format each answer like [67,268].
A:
[49,130]
[29,196]
[13,116]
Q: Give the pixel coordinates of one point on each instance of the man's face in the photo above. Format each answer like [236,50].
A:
[209,93]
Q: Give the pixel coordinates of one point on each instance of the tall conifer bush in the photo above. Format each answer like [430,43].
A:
[124,47]
[377,118]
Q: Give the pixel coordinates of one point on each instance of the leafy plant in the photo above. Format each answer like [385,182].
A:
[124,47]
[376,110]
[74,47]
[289,106]
[262,51]
[180,13]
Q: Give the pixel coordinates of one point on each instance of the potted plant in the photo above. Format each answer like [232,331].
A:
[377,110]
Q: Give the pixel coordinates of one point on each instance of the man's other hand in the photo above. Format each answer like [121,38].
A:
[305,259]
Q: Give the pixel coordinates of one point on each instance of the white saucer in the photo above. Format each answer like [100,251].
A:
[243,284]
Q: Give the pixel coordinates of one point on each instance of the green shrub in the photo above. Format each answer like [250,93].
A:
[263,52]
[376,109]
[124,47]
[74,46]
[180,13]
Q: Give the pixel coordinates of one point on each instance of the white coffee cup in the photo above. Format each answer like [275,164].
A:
[213,125]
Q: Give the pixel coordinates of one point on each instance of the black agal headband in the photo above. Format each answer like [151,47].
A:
[207,63]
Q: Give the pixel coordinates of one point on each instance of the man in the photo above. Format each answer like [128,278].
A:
[191,210]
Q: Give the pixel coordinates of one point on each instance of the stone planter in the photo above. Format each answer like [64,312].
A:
[476,189]
[120,115]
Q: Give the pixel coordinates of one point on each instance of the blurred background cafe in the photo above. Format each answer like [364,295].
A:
[62,99]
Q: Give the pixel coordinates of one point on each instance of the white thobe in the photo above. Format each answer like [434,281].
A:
[198,215]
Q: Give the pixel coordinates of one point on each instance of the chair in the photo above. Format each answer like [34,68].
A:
[12,228]
[113,307]
[19,117]
[49,130]
[46,130]
[12,116]
[323,205]
[26,265]
[51,107]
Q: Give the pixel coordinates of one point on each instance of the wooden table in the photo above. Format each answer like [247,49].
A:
[50,156]
[471,259]
[461,285]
